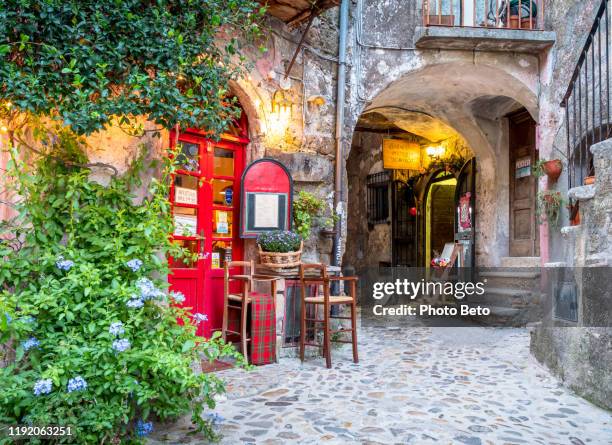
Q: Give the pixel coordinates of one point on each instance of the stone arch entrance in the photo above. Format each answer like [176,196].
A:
[438,104]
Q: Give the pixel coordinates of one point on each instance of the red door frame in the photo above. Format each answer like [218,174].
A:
[205,291]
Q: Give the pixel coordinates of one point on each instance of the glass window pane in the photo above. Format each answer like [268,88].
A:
[188,156]
[224,162]
[192,247]
[185,221]
[222,223]
[223,193]
[221,253]
[185,189]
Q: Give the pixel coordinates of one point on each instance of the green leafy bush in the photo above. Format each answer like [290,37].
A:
[308,209]
[87,62]
[92,336]
[279,241]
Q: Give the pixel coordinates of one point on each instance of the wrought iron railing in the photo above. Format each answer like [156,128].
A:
[587,100]
[508,14]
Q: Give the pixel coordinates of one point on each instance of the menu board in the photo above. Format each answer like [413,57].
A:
[266,210]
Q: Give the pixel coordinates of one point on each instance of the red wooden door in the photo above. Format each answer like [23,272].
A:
[205,196]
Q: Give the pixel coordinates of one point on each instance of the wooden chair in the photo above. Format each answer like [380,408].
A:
[241,299]
[326,301]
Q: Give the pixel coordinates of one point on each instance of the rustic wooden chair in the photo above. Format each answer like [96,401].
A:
[326,301]
[242,298]
[238,301]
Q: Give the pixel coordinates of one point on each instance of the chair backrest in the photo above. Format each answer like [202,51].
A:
[321,268]
[248,267]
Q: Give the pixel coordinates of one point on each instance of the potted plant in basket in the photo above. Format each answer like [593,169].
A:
[280,249]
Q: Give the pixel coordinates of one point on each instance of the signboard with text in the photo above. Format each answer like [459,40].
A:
[401,155]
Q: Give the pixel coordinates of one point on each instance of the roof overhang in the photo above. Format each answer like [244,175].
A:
[294,12]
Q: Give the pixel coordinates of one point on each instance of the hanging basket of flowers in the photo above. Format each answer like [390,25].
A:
[280,249]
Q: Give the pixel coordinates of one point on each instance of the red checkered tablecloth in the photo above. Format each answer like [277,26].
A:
[263,329]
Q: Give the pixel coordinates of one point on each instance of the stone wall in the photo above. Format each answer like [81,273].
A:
[366,246]
[581,354]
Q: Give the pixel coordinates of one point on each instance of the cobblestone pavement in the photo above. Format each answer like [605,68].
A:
[414,385]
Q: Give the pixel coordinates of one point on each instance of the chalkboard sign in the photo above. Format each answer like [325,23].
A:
[267,195]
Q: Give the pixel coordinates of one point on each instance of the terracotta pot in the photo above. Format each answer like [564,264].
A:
[589,180]
[574,212]
[514,21]
[528,23]
[553,169]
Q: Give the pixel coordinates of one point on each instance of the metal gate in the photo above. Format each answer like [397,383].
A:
[404,225]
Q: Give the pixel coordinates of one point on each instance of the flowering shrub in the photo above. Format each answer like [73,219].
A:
[92,334]
[279,241]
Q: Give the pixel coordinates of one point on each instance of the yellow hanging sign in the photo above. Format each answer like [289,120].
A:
[401,155]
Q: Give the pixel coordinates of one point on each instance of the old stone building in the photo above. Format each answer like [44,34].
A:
[476,102]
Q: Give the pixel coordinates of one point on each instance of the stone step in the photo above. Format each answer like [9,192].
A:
[511,279]
[499,316]
[504,297]
[520,261]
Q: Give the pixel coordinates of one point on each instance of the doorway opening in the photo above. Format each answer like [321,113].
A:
[439,214]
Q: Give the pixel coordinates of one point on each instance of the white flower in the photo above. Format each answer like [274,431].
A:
[199,318]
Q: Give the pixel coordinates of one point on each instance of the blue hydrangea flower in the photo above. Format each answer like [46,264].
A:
[63,264]
[215,418]
[148,291]
[178,296]
[43,386]
[143,428]
[116,328]
[134,264]
[77,383]
[199,318]
[121,345]
[30,343]
[135,303]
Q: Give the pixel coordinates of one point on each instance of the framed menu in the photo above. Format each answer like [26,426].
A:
[266,198]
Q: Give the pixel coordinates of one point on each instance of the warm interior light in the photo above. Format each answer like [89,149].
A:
[280,103]
[435,151]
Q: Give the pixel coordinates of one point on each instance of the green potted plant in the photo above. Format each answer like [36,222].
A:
[549,204]
[310,210]
[280,249]
[552,169]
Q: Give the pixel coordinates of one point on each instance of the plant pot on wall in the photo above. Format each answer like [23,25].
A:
[589,180]
[553,169]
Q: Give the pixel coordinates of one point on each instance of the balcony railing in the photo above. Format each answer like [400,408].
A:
[587,100]
[507,14]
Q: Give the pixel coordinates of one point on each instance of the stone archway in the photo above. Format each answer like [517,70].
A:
[472,100]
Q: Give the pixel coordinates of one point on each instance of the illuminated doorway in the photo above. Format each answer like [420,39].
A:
[439,214]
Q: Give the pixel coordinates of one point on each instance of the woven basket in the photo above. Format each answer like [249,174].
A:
[278,260]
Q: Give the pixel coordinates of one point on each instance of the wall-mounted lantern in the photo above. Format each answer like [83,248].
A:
[435,153]
[280,103]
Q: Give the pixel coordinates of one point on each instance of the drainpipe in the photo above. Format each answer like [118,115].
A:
[341,86]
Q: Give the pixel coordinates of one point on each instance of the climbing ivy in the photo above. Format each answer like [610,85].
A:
[88,62]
